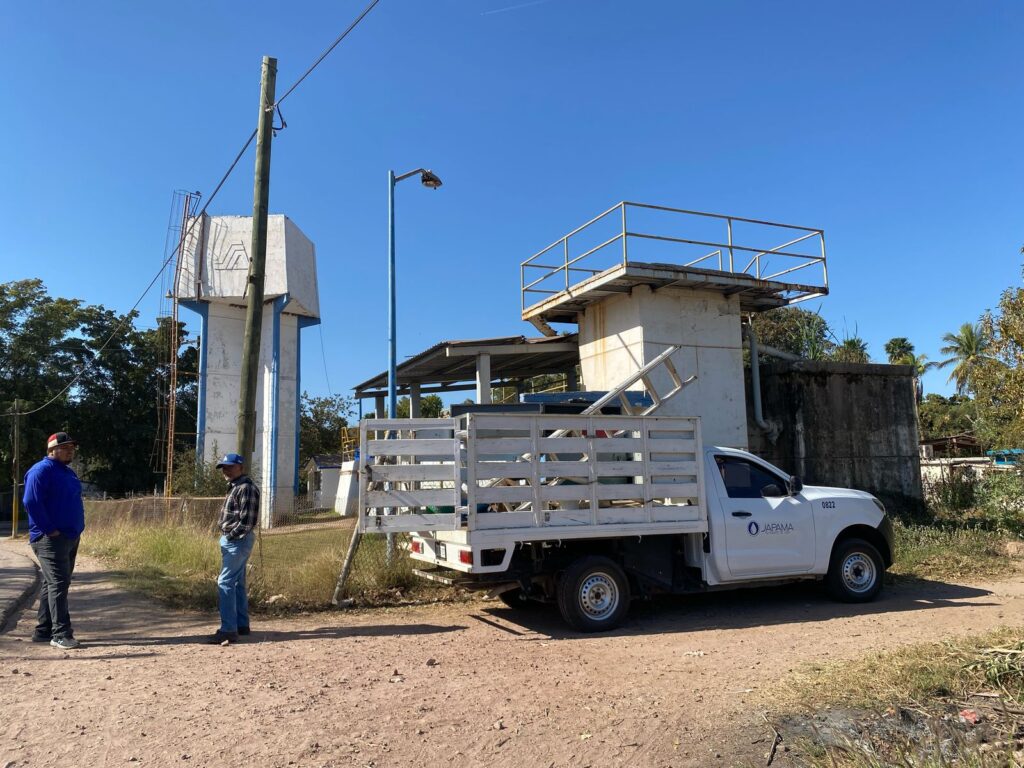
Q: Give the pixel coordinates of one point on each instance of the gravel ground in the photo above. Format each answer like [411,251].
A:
[469,684]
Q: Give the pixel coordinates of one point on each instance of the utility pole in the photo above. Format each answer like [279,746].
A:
[17,469]
[246,434]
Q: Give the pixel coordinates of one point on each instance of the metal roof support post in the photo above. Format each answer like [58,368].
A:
[414,400]
[378,404]
[483,378]
[392,353]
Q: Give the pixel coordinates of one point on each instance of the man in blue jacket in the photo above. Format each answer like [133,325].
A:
[56,516]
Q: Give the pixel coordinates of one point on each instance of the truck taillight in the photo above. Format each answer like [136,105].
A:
[417,546]
[466,556]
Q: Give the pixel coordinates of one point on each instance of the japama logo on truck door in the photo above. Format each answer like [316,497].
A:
[769,528]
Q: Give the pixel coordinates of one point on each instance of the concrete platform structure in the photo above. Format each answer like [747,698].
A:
[631,304]
[212,282]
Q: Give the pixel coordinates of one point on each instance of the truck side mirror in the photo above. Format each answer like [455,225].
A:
[795,485]
[771,491]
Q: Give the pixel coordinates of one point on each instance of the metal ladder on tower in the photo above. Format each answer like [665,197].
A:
[619,393]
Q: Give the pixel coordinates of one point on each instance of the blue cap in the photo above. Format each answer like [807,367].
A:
[230,459]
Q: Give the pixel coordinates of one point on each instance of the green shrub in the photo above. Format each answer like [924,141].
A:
[1001,502]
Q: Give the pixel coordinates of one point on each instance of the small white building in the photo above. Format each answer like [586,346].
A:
[322,474]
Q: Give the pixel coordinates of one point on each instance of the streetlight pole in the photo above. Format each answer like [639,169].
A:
[430,180]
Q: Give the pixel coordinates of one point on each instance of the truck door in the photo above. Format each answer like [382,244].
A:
[765,534]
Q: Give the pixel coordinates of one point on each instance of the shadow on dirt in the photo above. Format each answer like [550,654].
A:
[743,608]
[130,619]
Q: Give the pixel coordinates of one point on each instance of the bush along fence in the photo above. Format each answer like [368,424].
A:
[965,495]
[167,547]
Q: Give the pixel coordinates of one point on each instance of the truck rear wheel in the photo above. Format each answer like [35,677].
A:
[593,594]
[855,574]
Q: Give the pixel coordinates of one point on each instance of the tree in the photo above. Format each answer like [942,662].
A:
[898,349]
[945,416]
[968,351]
[44,343]
[921,367]
[431,407]
[996,375]
[797,331]
[853,349]
[321,421]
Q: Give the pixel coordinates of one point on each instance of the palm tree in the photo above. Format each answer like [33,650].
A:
[967,350]
[921,366]
[898,349]
[853,349]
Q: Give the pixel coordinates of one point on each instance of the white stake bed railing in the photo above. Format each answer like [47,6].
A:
[581,475]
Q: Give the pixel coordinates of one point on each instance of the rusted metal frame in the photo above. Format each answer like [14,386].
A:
[570,234]
[814,260]
[776,250]
[710,255]
[595,249]
[530,288]
[723,216]
[708,244]
[625,240]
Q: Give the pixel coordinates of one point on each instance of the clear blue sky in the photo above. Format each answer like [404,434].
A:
[893,126]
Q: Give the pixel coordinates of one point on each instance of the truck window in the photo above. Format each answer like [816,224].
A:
[744,479]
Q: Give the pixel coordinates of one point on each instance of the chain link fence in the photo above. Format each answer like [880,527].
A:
[168,547]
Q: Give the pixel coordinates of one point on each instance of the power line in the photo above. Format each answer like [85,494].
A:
[323,355]
[124,320]
[327,52]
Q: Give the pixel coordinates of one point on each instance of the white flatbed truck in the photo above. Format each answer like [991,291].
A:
[591,511]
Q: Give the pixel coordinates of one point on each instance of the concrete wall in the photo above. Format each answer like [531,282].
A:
[620,334]
[844,425]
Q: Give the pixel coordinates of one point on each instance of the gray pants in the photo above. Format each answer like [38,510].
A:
[57,563]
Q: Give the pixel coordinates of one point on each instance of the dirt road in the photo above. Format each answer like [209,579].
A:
[472,684]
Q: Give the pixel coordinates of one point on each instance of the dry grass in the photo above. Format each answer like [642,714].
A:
[950,554]
[920,673]
[178,565]
[931,680]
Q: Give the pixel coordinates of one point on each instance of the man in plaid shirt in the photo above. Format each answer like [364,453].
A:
[238,519]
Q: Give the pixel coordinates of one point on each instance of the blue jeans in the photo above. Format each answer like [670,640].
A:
[231,597]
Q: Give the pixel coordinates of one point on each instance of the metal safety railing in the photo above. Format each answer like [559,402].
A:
[554,269]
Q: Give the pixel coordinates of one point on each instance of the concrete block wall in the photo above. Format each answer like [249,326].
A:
[844,425]
[619,335]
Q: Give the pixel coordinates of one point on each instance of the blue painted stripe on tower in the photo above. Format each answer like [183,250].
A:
[202,309]
[275,379]
[303,323]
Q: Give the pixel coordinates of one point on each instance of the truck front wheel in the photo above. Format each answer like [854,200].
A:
[593,594]
[855,574]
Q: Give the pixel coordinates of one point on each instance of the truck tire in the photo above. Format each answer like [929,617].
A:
[514,598]
[593,594]
[856,571]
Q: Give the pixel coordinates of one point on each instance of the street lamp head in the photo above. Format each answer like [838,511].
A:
[430,179]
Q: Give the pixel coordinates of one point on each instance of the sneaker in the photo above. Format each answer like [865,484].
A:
[67,643]
[244,631]
[222,638]
[40,638]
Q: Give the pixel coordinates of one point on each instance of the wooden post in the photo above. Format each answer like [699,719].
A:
[246,432]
